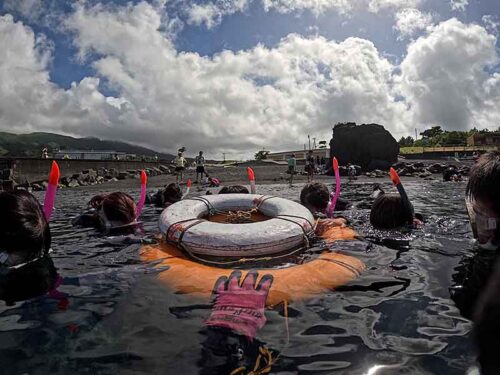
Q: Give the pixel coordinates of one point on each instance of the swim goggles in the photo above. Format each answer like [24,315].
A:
[112,225]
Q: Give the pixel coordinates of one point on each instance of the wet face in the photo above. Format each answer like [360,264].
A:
[487,222]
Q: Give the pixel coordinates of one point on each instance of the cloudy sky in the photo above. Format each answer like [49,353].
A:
[235,76]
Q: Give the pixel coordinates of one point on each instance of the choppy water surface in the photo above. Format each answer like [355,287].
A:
[113,316]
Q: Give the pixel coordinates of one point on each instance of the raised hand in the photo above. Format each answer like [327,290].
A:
[240,305]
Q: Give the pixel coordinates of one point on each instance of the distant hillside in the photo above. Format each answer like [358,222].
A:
[30,145]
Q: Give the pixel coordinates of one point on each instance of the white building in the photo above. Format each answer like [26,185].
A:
[89,155]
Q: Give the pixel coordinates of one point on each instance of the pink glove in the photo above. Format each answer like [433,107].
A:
[240,308]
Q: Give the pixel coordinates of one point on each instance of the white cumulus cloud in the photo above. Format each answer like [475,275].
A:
[444,78]
[238,102]
[459,5]
[210,14]
[411,20]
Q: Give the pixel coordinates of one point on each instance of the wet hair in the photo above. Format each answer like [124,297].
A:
[315,195]
[484,180]
[234,189]
[24,231]
[172,193]
[388,212]
[117,206]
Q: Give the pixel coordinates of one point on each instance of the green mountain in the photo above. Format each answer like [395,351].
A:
[31,145]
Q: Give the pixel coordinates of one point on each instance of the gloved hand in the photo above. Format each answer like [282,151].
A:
[240,307]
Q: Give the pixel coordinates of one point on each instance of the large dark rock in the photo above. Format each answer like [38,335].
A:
[368,145]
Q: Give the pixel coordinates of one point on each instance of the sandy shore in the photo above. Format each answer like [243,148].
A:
[236,175]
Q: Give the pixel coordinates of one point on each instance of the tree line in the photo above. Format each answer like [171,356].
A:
[437,137]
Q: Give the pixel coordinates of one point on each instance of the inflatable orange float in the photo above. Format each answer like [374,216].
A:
[294,282]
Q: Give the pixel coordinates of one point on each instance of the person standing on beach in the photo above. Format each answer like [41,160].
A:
[292,165]
[310,166]
[200,167]
[180,165]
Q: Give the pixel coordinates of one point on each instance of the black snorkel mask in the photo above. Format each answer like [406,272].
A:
[486,229]
[114,227]
[9,261]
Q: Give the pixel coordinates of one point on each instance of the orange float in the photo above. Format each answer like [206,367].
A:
[295,282]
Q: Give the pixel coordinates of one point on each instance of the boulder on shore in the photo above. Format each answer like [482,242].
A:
[368,145]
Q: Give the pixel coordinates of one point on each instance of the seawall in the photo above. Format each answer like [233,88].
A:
[23,170]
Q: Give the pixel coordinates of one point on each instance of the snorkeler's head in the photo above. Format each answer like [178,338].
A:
[234,189]
[388,212]
[315,196]
[24,231]
[450,174]
[484,181]
[483,195]
[115,209]
[172,194]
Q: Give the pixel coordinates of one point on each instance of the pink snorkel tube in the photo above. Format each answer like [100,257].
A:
[333,201]
[187,190]
[142,199]
[251,178]
[50,194]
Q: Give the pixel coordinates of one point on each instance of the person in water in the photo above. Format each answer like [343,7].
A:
[452,174]
[483,200]
[26,269]
[390,211]
[110,212]
[234,189]
[483,205]
[237,314]
[170,194]
[487,325]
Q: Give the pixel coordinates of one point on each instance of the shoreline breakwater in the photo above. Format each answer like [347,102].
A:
[33,172]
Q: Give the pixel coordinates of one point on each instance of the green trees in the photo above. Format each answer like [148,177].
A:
[406,142]
[261,155]
[437,137]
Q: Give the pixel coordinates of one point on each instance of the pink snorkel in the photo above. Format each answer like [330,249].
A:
[187,190]
[50,194]
[142,199]
[251,178]
[333,201]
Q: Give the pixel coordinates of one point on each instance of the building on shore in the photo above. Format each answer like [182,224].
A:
[299,155]
[90,155]
[484,139]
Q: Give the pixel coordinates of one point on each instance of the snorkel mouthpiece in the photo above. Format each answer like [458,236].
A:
[50,194]
[142,199]
[251,178]
[333,200]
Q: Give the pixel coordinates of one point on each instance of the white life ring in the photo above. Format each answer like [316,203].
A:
[184,224]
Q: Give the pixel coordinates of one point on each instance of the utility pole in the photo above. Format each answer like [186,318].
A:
[309,139]
[224,155]
[314,143]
